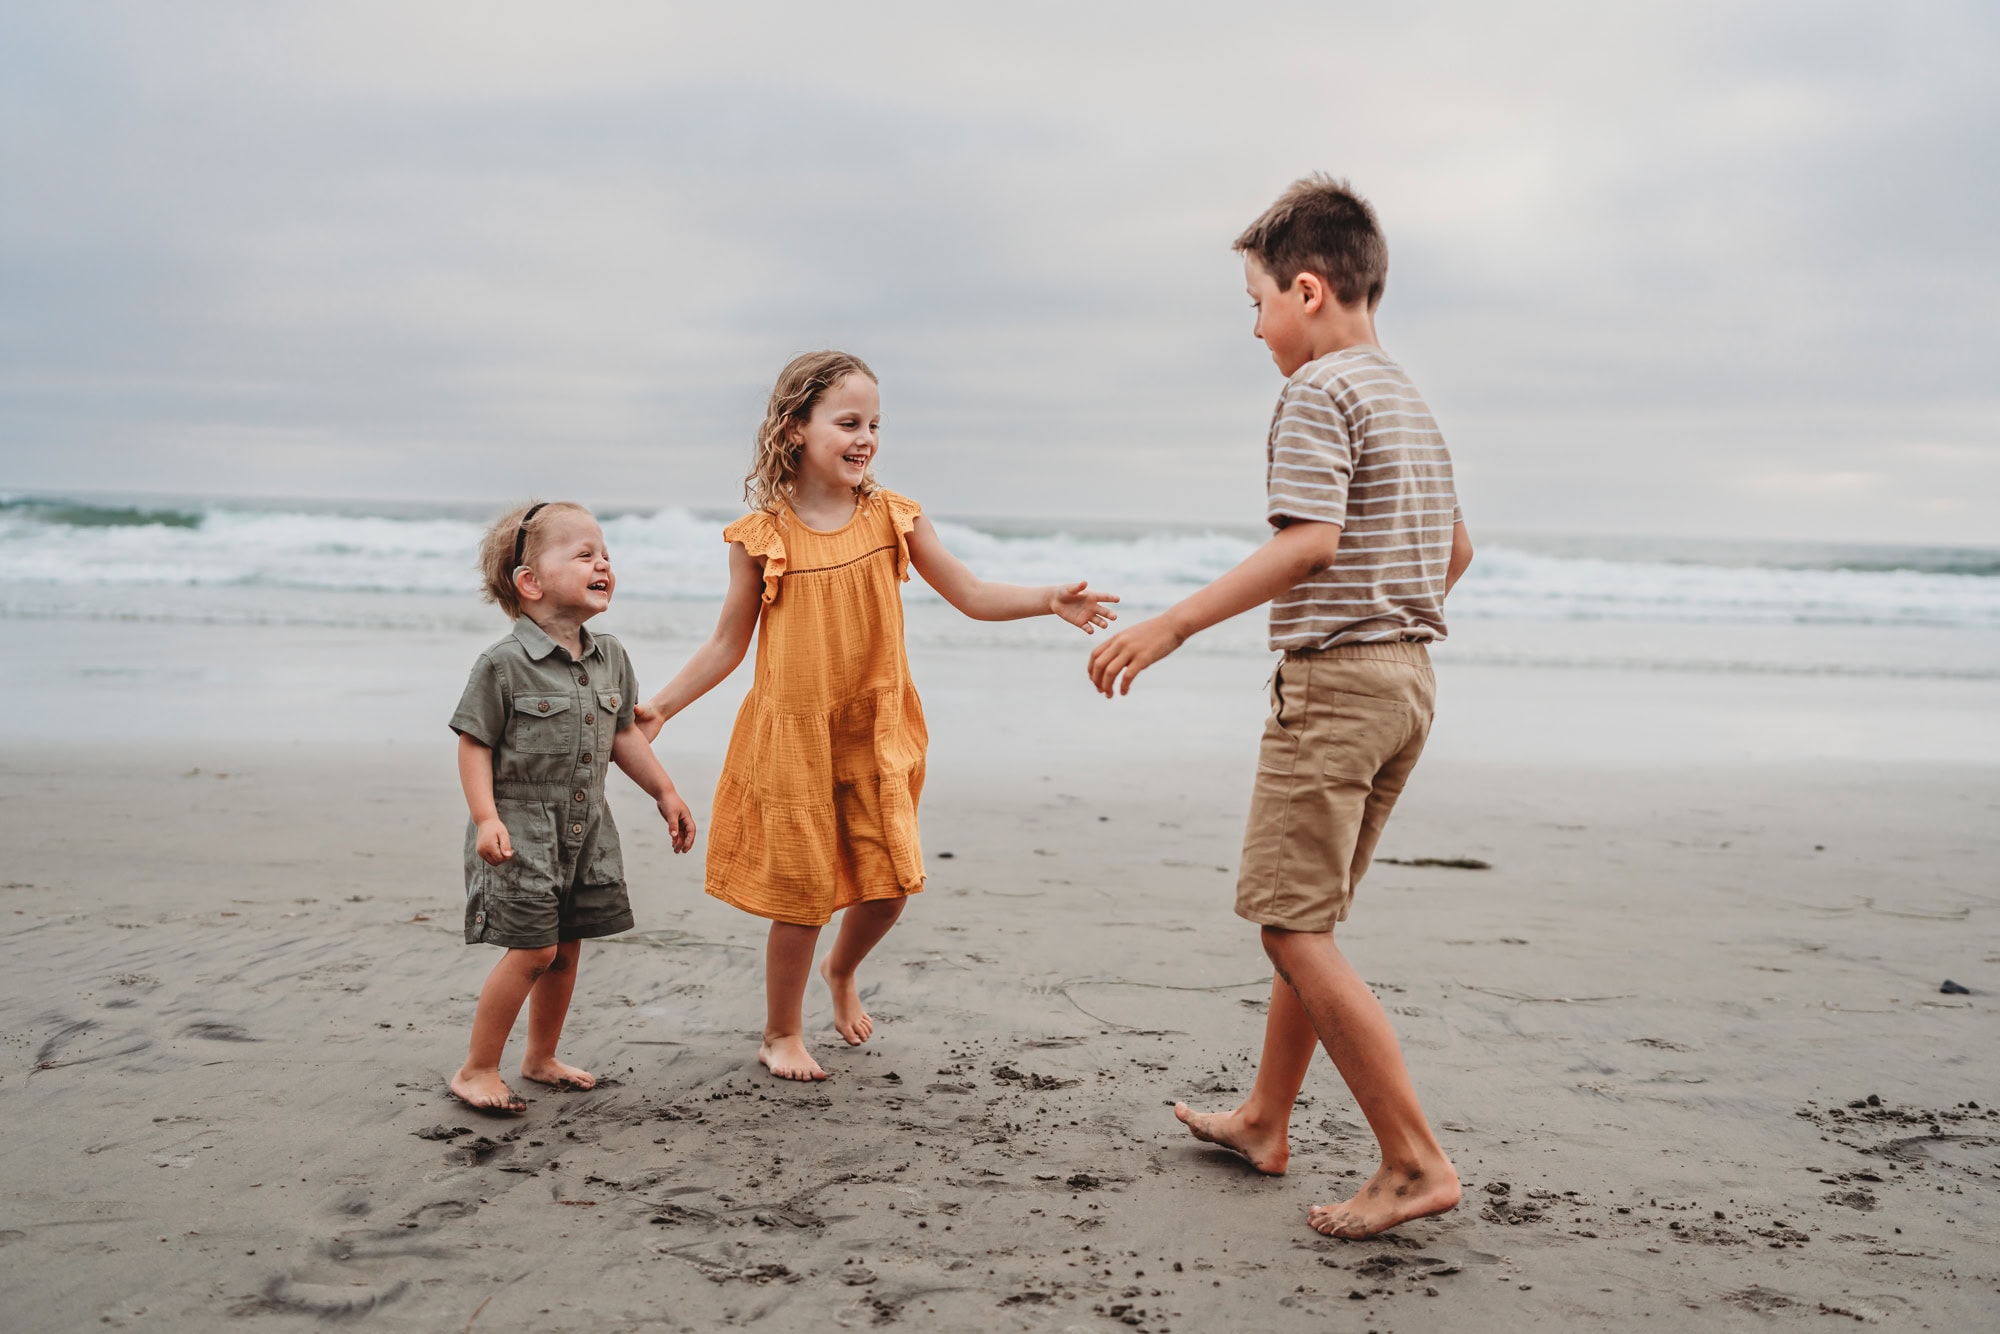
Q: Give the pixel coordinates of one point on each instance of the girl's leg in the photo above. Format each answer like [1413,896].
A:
[787,964]
[861,930]
[478,1081]
[1260,1129]
[548,1007]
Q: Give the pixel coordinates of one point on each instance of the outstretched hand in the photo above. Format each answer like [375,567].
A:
[1083,608]
[680,821]
[1119,659]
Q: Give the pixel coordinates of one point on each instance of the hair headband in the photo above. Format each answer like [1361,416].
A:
[521,533]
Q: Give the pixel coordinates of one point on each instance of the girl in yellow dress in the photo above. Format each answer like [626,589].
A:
[816,809]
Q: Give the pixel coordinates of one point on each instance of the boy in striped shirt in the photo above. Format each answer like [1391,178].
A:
[1368,540]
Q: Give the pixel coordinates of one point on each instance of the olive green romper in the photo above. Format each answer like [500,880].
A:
[549,720]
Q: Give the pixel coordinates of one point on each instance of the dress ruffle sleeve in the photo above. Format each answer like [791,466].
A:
[903,513]
[760,537]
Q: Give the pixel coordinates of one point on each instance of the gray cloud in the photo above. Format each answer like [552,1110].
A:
[1698,268]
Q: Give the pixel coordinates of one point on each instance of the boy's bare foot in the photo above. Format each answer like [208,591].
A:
[1392,1196]
[1267,1150]
[561,1075]
[849,1019]
[485,1091]
[787,1058]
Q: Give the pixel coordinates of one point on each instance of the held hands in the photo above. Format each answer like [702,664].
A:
[494,845]
[1082,608]
[648,720]
[1130,652]
[680,820]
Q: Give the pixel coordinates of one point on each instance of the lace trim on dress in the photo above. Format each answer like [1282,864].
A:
[760,537]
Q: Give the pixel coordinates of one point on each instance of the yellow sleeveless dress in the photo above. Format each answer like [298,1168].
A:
[816,808]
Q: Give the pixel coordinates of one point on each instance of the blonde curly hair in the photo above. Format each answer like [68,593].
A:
[804,381]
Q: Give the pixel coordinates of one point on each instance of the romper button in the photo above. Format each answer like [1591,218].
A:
[576,829]
[543,706]
[582,680]
[586,759]
[578,794]
[589,718]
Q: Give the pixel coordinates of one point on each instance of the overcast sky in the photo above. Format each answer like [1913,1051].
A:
[1690,268]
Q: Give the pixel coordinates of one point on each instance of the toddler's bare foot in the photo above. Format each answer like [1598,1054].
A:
[559,1074]
[849,1019]
[485,1091]
[1392,1196]
[787,1058]
[1266,1149]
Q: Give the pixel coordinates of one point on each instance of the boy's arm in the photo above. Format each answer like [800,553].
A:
[475,775]
[983,600]
[632,752]
[1461,555]
[719,655]
[1295,552]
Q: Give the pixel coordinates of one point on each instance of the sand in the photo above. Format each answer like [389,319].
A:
[1684,1037]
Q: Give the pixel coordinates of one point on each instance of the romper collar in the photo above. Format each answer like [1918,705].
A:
[536,640]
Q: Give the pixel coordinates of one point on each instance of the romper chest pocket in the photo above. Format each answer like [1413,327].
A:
[607,711]
[539,725]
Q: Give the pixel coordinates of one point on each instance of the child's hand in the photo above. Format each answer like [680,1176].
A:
[649,721]
[1081,607]
[1130,652]
[680,821]
[494,845]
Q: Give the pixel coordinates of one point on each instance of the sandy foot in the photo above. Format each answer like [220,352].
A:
[1266,1150]
[787,1058]
[850,1020]
[1392,1196]
[561,1075]
[485,1091]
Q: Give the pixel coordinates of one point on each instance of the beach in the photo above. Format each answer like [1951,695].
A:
[1682,1033]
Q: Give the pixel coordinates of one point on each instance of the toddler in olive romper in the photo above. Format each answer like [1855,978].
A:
[549,722]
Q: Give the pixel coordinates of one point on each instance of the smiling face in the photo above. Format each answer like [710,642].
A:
[1282,316]
[838,441]
[570,572]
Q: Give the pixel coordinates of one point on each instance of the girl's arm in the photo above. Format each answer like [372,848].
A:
[983,600]
[631,752]
[718,657]
[475,775]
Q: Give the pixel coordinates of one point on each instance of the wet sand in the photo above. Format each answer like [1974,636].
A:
[236,988]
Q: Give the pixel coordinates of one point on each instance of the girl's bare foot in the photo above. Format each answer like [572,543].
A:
[559,1074]
[1392,1196]
[850,1020]
[485,1091]
[1264,1148]
[787,1058]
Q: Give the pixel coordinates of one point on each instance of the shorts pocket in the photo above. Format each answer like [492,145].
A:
[1279,750]
[540,725]
[1363,734]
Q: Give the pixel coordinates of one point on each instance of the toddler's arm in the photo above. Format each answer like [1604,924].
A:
[631,752]
[1296,551]
[984,600]
[475,775]
[716,658]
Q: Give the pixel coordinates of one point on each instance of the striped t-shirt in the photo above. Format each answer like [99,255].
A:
[1353,443]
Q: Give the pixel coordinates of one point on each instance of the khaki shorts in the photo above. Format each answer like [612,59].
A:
[1346,727]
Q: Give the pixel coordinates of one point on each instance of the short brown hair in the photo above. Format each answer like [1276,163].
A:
[1321,226]
[803,383]
[496,550]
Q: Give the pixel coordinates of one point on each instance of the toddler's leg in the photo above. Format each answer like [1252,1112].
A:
[1260,1129]
[548,1007]
[478,1081]
[1415,1178]
[861,930]
[787,964]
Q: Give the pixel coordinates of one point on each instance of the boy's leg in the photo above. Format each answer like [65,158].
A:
[787,964]
[548,1007]
[861,930]
[1260,1129]
[478,1081]
[1415,1178]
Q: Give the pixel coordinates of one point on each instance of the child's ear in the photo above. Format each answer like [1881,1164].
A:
[1312,292]
[527,585]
